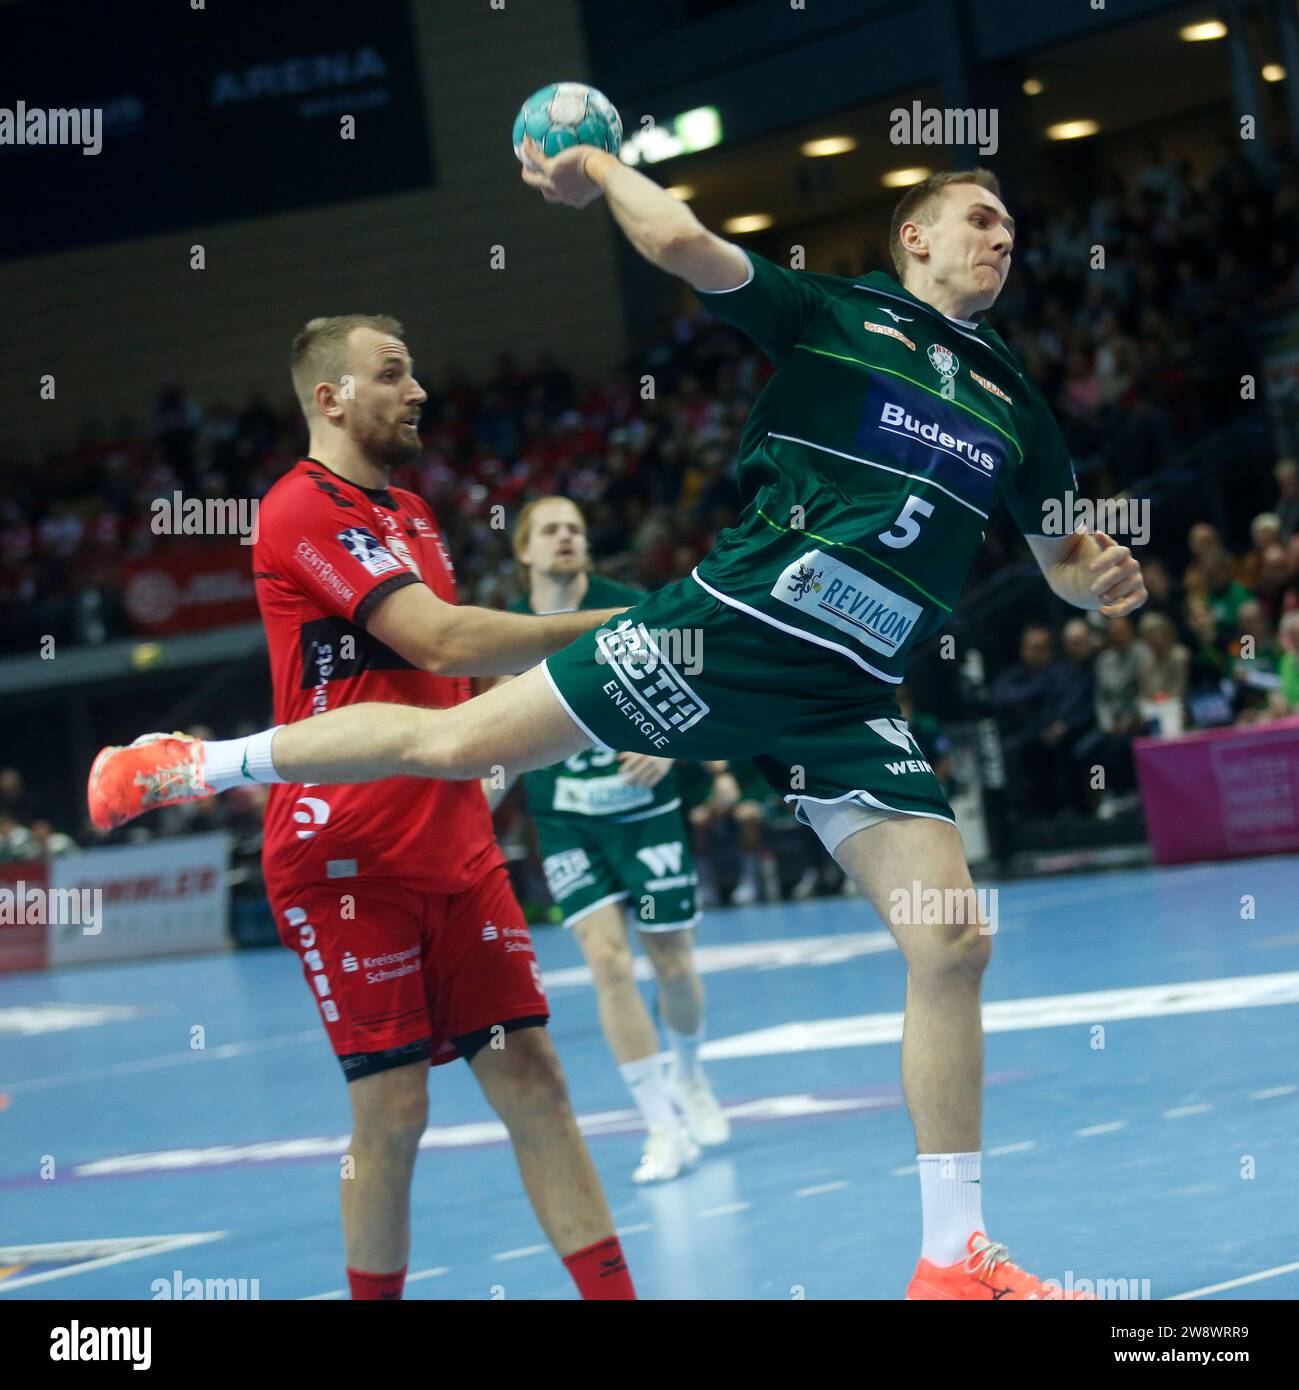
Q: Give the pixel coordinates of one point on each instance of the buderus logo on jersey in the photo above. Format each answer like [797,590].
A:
[925,435]
[849,600]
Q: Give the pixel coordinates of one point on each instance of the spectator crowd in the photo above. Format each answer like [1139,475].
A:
[1141,359]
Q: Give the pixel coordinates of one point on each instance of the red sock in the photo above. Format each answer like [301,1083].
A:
[377,1286]
[600,1272]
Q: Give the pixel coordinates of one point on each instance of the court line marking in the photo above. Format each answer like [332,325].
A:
[1236,1283]
[730,1209]
[1010,1148]
[791,1105]
[1272,1092]
[1107,1128]
[1178,1111]
[822,1187]
[166,1059]
[149,1245]
[1016,1015]
[521,1253]
[635,1230]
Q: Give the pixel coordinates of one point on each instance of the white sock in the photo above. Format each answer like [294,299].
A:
[951,1203]
[686,1048]
[646,1081]
[239,762]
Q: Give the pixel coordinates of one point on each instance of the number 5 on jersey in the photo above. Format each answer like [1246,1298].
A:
[906,528]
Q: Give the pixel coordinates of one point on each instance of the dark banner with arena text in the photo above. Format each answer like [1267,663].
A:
[121,120]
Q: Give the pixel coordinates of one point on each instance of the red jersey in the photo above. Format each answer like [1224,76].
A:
[327,551]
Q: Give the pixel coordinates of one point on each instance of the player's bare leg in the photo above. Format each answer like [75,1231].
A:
[681,1002]
[634,1042]
[628,1028]
[389,1114]
[942,1038]
[942,1049]
[517,727]
[524,1083]
[681,991]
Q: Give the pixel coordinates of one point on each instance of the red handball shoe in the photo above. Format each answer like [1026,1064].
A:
[156,770]
[986,1274]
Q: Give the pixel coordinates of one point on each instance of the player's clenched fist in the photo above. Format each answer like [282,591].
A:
[561,178]
[1116,578]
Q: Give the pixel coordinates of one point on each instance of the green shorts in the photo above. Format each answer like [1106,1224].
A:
[684,675]
[589,862]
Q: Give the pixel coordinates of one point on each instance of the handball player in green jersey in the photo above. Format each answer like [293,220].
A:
[868,468]
[615,850]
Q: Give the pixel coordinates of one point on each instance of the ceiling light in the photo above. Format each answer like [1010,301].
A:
[1198,33]
[904,178]
[683,192]
[1273,72]
[829,144]
[749,222]
[1034,86]
[1071,130]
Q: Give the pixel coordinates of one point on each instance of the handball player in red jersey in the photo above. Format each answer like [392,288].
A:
[395,894]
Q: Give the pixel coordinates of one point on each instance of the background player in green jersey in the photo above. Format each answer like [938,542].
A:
[867,467]
[615,849]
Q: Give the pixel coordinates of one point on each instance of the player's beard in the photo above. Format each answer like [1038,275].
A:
[564,566]
[391,444]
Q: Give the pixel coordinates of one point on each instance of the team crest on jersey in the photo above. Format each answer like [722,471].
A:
[369,551]
[889,333]
[991,386]
[943,361]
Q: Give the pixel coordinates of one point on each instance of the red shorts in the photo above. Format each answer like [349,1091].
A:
[399,972]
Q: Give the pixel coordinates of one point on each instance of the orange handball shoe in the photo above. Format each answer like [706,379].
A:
[155,770]
[987,1274]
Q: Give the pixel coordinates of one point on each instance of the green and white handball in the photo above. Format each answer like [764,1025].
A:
[567,114]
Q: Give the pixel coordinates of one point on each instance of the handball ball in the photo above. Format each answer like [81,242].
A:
[567,114]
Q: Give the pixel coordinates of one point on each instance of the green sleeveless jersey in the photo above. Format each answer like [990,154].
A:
[870,461]
[589,784]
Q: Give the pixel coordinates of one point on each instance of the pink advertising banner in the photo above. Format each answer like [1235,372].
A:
[1221,793]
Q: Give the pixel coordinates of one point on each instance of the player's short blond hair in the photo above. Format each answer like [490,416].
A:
[319,351]
[920,203]
[522,532]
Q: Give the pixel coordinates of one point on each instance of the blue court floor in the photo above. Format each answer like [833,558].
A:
[1141,1113]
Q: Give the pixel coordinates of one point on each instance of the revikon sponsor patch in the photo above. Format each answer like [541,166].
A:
[849,600]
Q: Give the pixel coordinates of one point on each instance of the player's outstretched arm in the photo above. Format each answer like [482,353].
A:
[659,226]
[448,640]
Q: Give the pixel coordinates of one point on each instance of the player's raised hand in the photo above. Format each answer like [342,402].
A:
[560,178]
[643,769]
[1116,577]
